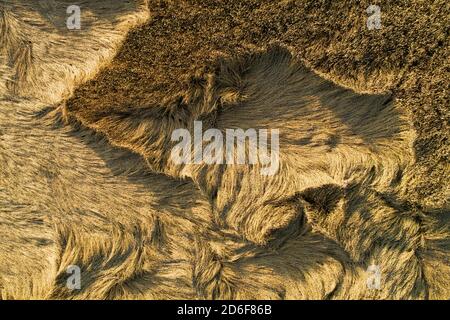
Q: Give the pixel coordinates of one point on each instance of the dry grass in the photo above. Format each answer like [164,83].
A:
[86,180]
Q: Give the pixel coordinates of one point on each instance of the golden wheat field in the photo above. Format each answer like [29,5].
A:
[236,150]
